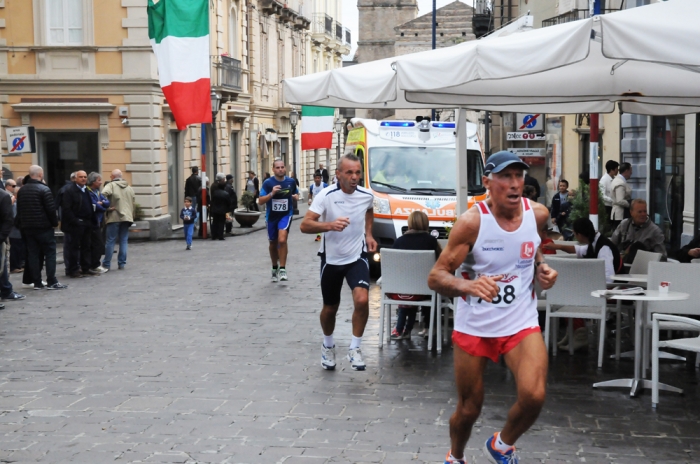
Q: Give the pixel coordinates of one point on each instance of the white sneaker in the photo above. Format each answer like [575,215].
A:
[274,275]
[283,275]
[327,358]
[355,358]
[100,269]
[27,285]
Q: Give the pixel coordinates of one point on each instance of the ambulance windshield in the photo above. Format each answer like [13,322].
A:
[422,170]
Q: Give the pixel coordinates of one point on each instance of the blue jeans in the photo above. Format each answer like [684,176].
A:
[188,229]
[114,230]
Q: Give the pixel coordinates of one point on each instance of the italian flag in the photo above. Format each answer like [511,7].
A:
[179,34]
[316,127]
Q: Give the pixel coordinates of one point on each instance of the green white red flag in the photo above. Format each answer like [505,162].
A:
[179,34]
[316,127]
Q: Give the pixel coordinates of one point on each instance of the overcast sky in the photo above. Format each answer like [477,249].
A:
[350,16]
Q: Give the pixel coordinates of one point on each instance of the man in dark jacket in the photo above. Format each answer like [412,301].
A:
[192,186]
[6,222]
[220,205]
[66,238]
[36,218]
[234,200]
[690,251]
[77,221]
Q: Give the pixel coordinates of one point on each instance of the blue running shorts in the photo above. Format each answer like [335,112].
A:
[274,226]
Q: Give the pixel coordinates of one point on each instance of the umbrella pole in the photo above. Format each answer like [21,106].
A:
[461,157]
[593,171]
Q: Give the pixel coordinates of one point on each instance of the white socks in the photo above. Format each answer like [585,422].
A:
[500,445]
[355,343]
[328,342]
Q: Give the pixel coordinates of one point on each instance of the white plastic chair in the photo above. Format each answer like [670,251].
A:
[640,265]
[406,272]
[695,261]
[683,278]
[572,294]
[686,344]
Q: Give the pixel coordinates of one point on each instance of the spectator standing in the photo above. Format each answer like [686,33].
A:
[78,220]
[220,205]
[324,173]
[100,205]
[192,186]
[234,202]
[612,168]
[66,237]
[6,224]
[621,195]
[253,186]
[120,216]
[529,180]
[314,190]
[188,216]
[36,217]
[561,208]
[16,243]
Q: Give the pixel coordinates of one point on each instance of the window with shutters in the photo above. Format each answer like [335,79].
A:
[64,21]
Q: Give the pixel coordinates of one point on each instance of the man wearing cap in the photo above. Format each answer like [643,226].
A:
[496,246]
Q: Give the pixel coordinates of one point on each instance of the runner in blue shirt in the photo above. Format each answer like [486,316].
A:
[279,191]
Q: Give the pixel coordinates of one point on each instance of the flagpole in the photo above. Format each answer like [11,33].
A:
[204,183]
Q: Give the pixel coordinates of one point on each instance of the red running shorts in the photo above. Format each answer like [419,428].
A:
[490,347]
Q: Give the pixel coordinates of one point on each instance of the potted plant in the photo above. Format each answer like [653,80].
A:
[244,216]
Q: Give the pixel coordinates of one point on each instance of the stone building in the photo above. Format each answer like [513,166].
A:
[83,73]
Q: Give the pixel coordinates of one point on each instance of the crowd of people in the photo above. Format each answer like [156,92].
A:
[92,217]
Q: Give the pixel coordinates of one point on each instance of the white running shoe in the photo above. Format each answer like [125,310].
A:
[283,275]
[327,358]
[274,275]
[355,358]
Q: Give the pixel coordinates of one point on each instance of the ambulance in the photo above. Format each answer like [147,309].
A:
[410,165]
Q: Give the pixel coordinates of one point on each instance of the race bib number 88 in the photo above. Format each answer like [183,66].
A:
[280,205]
[508,289]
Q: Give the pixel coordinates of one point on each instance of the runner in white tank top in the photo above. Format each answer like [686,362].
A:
[512,255]
[496,243]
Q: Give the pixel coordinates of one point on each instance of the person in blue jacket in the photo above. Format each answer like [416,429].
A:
[189,217]
[100,204]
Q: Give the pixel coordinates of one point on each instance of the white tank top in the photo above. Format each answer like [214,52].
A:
[511,254]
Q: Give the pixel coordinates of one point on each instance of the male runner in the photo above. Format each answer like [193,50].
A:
[496,243]
[344,213]
[279,191]
[315,189]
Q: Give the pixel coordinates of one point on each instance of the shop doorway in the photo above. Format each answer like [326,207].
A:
[61,153]
[175,182]
[667,166]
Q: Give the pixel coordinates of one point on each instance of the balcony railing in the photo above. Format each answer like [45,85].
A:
[339,31]
[320,24]
[573,15]
[227,72]
[348,36]
[329,25]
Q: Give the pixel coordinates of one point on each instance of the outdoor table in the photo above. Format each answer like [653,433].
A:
[638,382]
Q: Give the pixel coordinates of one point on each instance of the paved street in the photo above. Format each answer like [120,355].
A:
[195,356]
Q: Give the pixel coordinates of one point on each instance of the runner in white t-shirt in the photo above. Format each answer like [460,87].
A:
[496,244]
[343,212]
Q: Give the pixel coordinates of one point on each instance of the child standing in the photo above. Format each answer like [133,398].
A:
[188,216]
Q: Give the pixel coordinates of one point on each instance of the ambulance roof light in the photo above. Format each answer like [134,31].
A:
[397,124]
[444,125]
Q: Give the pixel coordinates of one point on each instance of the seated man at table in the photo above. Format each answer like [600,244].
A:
[638,233]
[690,251]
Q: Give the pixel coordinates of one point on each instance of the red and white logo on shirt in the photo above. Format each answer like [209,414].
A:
[527,250]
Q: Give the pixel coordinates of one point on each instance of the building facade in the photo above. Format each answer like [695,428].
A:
[83,74]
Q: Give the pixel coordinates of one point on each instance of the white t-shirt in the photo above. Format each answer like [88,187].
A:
[331,203]
[605,254]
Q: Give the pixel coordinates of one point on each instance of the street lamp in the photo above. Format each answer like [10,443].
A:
[338,129]
[293,121]
[215,102]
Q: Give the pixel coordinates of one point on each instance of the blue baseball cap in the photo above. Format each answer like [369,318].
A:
[501,160]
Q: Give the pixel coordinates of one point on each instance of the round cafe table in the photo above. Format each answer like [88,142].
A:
[638,382]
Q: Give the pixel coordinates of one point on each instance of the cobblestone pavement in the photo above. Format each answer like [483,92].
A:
[196,357]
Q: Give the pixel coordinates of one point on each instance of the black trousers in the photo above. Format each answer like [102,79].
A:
[97,246]
[40,242]
[16,253]
[79,253]
[218,221]
[229,225]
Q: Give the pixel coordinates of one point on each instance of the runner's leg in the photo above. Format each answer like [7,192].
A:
[469,371]
[360,298]
[282,247]
[328,313]
[274,256]
[528,362]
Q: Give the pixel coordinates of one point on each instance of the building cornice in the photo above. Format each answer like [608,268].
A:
[63,107]
[26,85]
